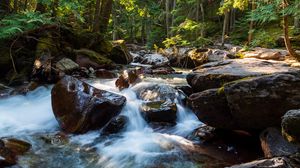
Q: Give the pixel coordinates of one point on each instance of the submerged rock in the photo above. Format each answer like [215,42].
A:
[127,78]
[291,126]
[9,150]
[215,74]
[274,145]
[116,125]
[79,107]
[159,111]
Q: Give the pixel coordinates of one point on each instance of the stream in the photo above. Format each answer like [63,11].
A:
[30,118]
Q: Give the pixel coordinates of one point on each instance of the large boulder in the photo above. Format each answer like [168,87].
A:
[215,74]
[260,102]
[267,54]
[211,107]
[88,58]
[291,126]
[116,125]
[119,53]
[159,111]
[79,107]
[249,104]
[274,145]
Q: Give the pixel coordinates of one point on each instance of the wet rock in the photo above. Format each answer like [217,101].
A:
[159,111]
[215,74]
[17,146]
[66,65]
[129,77]
[205,133]
[120,53]
[116,125]
[7,157]
[105,74]
[274,145]
[88,58]
[187,90]
[79,107]
[291,126]
[122,83]
[211,107]
[160,70]
[156,92]
[277,162]
[59,138]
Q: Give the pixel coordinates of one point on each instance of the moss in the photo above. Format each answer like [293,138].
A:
[94,56]
[46,44]
[240,55]
[221,90]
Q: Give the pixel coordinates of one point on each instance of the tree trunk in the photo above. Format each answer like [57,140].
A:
[105,12]
[25,5]
[4,7]
[225,26]
[40,7]
[173,16]
[250,33]
[167,17]
[203,18]
[115,22]
[297,23]
[55,5]
[97,16]
[16,6]
[287,41]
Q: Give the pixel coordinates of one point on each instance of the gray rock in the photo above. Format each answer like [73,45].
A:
[66,65]
[278,162]
[215,74]
[291,126]
[274,145]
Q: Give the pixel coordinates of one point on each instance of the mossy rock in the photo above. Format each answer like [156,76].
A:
[95,59]
[46,44]
[119,53]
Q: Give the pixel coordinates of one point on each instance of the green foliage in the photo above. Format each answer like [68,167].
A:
[175,41]
[15,24]
[264,39]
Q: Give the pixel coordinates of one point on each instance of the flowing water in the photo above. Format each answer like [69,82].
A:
[30,118]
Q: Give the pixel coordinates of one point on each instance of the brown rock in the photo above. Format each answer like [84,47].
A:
[79,107]
[159,111]
[105,74]
[17,146]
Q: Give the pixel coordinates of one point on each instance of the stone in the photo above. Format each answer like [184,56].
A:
[291,126]
[258,103]
[199,56]
[88,58]
[277,162]
[66,65]
[127,78]
[79,107]
[154,59]
[7,157]
[211,107]
[249,104]
[215,74]
[116,125]
[274,145]
[105,74]
[17,146]
[120,53]
[155,92]
[159,111]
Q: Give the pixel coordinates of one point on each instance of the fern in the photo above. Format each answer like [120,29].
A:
[15,24]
